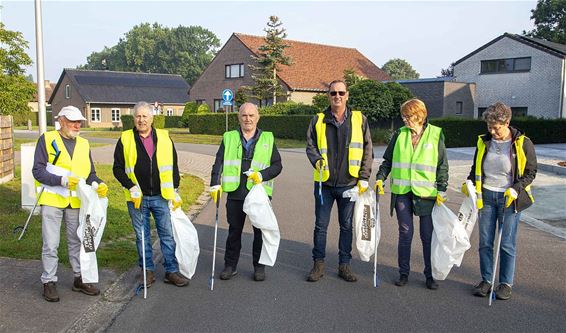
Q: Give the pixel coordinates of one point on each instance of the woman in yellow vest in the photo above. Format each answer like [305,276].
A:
[416,159]
[504,167]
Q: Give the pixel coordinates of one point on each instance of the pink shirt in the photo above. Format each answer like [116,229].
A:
[148,144]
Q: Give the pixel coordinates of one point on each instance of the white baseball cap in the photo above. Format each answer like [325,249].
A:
[71,113]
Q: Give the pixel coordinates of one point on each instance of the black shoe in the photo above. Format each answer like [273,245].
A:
[317,271]
[345,272]
[503,291]
[403,280]
[50,292]
[228,273]
[482,289]
[259,273]
[431,284]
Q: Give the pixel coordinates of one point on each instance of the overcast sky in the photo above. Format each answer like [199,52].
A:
[429,35]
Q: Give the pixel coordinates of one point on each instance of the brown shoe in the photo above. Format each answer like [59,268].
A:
[317,271]
[149,277]
[345,272]
[50,292]
[85,288]
[176,278]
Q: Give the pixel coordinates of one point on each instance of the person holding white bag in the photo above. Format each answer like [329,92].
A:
[61,158]
[416,158]
[242,150]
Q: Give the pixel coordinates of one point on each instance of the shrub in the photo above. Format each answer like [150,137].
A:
[320,101]
[21,118]
[127,121]
[288,108]
[203,108]
[159,121]
[190,107]
[173,121]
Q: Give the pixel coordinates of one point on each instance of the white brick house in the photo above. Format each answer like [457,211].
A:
[527,74]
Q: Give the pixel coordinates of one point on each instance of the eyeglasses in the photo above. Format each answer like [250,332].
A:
[334,93]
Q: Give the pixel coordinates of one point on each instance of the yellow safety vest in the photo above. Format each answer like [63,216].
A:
[78,165]
[164,155]
[521,163]
[232,166]
[355,147]
[415,169]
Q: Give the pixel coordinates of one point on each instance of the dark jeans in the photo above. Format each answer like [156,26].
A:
[322,216]
[404,211]
[236,218]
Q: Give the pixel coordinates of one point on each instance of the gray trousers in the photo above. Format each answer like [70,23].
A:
[51,232]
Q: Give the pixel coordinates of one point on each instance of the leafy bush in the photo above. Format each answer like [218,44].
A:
[190,107]
[127,121]
[21,118]
[159,121]
[203,108]
[288,108]
[320,101]
[173,121]
[372,98]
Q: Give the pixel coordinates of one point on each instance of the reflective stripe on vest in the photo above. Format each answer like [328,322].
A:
[78,165]
[355,147]
[521,164]
[233,151]
[164,155]
[415,169]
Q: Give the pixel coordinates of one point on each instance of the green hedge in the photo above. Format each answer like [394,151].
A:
[127,121]
[458,132]
[21,118]
[173,122]
[464,133]
[288,108]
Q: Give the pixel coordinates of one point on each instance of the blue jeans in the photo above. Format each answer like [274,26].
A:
[494,211]
[404,211]
[322,219]
[157,206]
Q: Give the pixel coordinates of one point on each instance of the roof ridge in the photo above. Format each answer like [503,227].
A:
[122,72]
[299,41]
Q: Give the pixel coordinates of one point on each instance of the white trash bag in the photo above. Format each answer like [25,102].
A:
[366,224]
[451,236]
[258,208]
[92,220]
[187,247]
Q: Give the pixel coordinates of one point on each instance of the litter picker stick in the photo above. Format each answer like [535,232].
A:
[492,294]
[375,279]
[143,259]
[30,214]
[320,187]
[214,249]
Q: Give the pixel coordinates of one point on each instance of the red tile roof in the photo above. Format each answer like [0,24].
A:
[315,65]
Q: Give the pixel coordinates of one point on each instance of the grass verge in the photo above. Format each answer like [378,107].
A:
[117,250]
[18,143]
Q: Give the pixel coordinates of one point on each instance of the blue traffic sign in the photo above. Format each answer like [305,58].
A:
[227,97]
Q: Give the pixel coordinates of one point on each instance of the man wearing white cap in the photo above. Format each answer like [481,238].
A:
[61,158]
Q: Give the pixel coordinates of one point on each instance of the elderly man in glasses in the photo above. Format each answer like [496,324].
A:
[339,148]
[248,148]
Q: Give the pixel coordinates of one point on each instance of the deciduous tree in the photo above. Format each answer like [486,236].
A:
[400,69]
[550,21]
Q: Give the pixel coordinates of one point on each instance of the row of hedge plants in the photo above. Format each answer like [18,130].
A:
[458,132]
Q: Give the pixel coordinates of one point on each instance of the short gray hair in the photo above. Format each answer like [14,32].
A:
[497,113]
[143,105]
[248,104]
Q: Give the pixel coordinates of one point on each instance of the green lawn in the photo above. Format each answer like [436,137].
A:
[18,142]
[117,249]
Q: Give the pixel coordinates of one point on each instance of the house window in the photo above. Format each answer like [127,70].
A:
[95,115]
[480,112]
[115,115]
[217,105]
[200,101]
[511,65]
[519,111]
[67,91]
[459,107]
[169,112]
[234,71]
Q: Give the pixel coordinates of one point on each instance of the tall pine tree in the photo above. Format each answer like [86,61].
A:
[271,56]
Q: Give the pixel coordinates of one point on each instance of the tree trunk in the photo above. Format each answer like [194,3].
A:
[274,86]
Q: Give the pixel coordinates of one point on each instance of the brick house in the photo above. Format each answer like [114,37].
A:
[527,74]
[444,97]
[314,66]
[104,96]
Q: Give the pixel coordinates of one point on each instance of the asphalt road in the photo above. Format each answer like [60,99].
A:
[286,302]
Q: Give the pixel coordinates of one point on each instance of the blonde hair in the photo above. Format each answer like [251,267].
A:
[414,108]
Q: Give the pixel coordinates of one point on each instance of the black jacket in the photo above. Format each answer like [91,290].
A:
[338,138]
[519,183]
[146,170]
[267,174]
